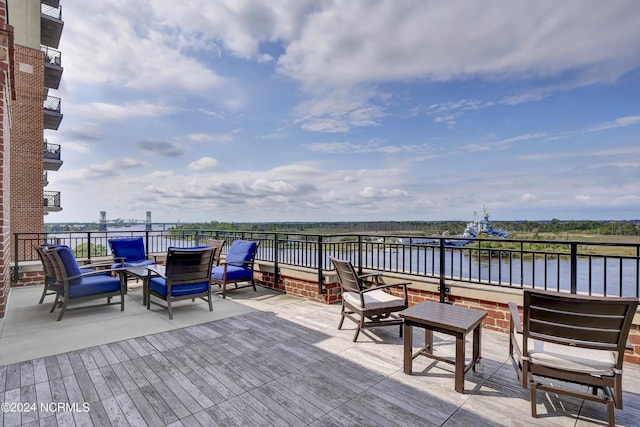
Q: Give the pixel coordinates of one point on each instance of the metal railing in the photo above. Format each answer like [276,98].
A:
[52,151]
[51,199]
[52,56]
[52,103]
[594,268]
[51,11]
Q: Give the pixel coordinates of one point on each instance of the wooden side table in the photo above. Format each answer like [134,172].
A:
[447,319]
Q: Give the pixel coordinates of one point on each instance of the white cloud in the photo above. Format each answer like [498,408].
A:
[203,163]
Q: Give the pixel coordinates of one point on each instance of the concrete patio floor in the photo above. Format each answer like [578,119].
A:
[260,358]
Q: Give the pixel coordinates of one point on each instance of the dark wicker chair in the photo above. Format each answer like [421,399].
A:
[237,267]
[373,306]
[74,284]
[186,277]
[573,338]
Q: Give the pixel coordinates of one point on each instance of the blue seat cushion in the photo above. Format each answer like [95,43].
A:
[133,263]
[70,264]
[241,250]
[92,285]
[234,273]
[159,286]
[130,248]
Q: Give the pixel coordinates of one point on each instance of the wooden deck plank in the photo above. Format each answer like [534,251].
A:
[40,370]
[132,415]
[159,405]
[148,411]
[89,393]
[28,394]
[272,411]
[87,359]
[171,400]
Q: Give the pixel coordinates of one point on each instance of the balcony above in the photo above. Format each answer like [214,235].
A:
[52,114]
[52,202]
[52,156]
[45,179]
[52,67]
[50,24]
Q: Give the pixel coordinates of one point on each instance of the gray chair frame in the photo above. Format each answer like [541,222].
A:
[184,266]
[63,280]
[350,281]
[217,245]
[574,321]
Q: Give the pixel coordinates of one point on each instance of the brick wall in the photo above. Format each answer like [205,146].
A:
[27,139]
[5,142]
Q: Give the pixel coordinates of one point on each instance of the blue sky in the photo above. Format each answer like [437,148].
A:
[306,110]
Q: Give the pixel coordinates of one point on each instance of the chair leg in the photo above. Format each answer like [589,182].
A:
[169,309]
[610,412]
[121,302]
[224,290]
[253,283]
[209,300]
[55,302]
[64,308]
[341,318]
[360,325]
[44,294]
[532,398]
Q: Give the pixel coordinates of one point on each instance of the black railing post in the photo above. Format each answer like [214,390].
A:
[89,246]
[276,260]
[442,287]
[16,267]
[321,289]
[360,254]
[574,268]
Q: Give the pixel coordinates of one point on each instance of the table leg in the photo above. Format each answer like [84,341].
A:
[428,341]
[460,363]
[477,337]
[408,347]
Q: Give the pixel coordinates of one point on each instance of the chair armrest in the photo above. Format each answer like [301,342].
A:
[386,285]
[96,272]
[97,264]
[240,261]
[515,317]
[367,275]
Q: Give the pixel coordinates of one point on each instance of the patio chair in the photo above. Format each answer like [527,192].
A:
[129,252]
[373,306]
[574,338]
[186,277]
[217,246]
[50,273]
[74,285]
[237,266]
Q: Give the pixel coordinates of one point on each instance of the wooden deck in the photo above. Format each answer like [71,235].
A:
[285,366]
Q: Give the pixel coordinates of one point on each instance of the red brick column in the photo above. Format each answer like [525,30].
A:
[6,83]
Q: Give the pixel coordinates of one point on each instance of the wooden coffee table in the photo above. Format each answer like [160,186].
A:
[447,319]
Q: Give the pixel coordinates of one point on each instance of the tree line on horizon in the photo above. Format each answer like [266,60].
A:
[429,228]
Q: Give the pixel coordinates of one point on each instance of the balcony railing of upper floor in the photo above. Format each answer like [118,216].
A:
[50,24]
[52,67]
[52,201]
[52,3]
[45,178]
[594,268]
[52,156]
[52,112]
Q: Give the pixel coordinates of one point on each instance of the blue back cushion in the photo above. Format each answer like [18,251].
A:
[130,248]
[70,263]
[241,250]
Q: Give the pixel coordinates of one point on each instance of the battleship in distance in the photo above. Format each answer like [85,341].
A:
[477,228]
